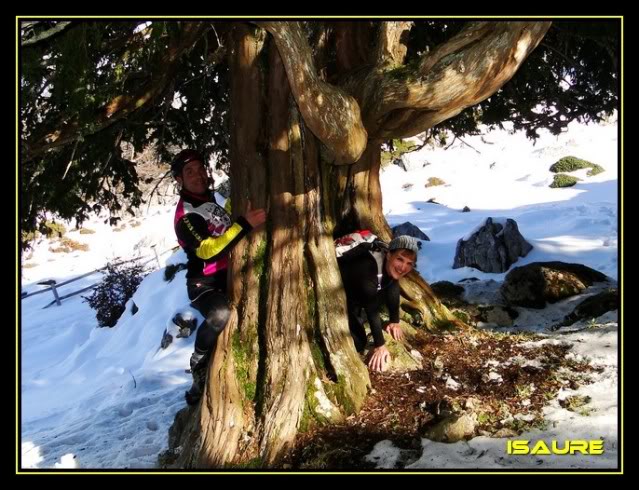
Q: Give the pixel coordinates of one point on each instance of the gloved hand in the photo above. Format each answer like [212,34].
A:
[185,326]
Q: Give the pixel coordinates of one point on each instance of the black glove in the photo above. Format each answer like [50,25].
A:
[186,326]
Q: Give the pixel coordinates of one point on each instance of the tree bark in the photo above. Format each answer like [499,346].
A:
[392,43]
[330,113]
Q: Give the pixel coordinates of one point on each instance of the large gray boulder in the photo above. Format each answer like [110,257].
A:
[494,247]
[536,284]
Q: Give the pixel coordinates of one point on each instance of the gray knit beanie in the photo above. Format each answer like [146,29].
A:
[404,241]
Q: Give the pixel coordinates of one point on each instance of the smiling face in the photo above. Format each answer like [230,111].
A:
[194,177]
[400,262]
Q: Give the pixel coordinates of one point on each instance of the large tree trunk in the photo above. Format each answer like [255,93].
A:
[286,358]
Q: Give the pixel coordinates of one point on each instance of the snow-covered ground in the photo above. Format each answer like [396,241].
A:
[510,179]
[105,398]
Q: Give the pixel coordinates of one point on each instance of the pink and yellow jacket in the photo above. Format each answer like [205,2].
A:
[206,233]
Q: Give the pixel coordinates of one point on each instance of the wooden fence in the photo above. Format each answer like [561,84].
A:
[52,285]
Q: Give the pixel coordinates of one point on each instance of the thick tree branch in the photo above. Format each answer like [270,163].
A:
[59,27]
[469,68]
[471,34]
[122,105]
[330,113]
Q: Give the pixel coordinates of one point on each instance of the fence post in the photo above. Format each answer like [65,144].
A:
[55,293]
[157,258]
[51,283]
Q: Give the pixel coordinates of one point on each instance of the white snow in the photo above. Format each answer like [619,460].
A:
[105,397]
[452,383]
[576,224]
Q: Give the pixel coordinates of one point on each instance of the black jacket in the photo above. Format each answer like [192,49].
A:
[359,275]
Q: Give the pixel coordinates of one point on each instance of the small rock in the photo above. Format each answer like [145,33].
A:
[407,228]
[417,355]
[505,433]
[593,307]
[471,403]
[492,376]
[400,163]
[167,338]
[453,428]
[498,316]
[452,384]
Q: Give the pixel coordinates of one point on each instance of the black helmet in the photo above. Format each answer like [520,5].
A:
[182,158]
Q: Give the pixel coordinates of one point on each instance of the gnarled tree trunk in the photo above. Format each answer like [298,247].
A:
[286,358]
[309,151]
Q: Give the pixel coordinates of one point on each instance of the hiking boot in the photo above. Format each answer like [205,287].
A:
[186,326]
[193,395]
[199,367]
[196,358]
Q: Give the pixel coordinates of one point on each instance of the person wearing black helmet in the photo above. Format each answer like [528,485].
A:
[207,234]
[368,292]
